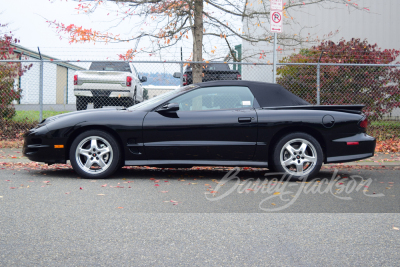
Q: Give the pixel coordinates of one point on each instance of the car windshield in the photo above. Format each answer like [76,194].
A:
[155,101]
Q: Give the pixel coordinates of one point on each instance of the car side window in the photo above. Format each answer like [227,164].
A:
[214,98]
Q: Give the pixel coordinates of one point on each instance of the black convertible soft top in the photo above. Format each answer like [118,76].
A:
[267,94]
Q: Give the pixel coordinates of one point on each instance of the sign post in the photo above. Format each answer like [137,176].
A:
[276,12]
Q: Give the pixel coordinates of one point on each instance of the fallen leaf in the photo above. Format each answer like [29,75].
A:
[12,187]
[276,193]
[273,204]
[164,191]
[100,194]
[104,185]
[80,188]
[396,228]
[120,207]
[156,185]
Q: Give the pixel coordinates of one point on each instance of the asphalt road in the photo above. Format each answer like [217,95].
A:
[189,219]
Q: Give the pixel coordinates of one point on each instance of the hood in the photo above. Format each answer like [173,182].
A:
[80,113]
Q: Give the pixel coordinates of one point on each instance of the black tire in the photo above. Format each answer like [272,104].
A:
[90,159]
[81,103]
[304,160]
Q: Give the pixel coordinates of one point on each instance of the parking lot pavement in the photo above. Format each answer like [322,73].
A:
[145,216]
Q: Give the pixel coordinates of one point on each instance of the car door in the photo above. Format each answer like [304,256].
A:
[212,123]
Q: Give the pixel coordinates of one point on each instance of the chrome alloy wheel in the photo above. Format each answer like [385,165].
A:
[94,154]
[298,157]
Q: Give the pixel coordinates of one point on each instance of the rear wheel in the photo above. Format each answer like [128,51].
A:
[81,103]
[95,154]
[298,155]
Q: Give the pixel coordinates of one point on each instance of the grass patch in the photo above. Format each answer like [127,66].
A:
[33,115]
[385,123]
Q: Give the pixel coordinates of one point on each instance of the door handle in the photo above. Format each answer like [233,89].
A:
[244,119]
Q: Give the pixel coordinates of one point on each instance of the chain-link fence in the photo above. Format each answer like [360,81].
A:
[32,90]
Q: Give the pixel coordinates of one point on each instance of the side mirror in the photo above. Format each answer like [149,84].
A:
[177,75]
[169,107]
[143,79]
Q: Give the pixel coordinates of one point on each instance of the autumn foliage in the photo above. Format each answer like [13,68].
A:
[375,86]
[9,71]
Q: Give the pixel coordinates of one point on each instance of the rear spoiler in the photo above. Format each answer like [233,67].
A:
[357,109]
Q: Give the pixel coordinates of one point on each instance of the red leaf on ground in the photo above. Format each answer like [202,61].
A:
[80,188]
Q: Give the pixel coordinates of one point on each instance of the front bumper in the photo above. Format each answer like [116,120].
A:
[40,147]
[340,150]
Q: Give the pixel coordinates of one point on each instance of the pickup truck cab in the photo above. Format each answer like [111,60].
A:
[108,84]
[211,72]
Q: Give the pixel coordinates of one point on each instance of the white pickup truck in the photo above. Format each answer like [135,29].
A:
[108,84]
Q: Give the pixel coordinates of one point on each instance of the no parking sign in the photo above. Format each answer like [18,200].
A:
[276,21]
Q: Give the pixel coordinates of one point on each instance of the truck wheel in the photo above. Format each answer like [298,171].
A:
[299,155]
[81,103]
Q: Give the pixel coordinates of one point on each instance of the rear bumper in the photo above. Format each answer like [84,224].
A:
[103,93]
[340,151]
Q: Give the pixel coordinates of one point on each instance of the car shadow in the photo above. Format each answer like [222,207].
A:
[208,173]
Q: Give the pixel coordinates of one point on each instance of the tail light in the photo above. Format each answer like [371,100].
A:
[128,81]
[75,79]
[238,77]
[364,123]
[184,79]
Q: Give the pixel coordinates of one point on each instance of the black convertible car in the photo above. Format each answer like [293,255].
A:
[221,123]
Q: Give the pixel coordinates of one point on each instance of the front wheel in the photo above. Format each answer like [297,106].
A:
[298,155]
[95,154]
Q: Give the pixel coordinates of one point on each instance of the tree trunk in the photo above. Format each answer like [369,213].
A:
[198,41]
